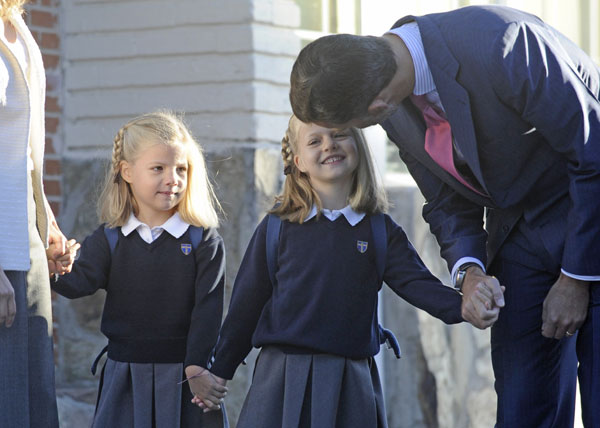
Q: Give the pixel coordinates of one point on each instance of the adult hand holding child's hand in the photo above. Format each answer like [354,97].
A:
[60,261]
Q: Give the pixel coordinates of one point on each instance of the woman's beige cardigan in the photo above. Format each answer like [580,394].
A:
[22,100]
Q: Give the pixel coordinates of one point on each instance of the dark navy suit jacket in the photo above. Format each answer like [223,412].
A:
[522,102]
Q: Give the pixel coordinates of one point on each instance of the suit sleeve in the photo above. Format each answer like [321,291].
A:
[410,279]
[554,86]
[251,291]
[90,271]
[207,312]
[456,222]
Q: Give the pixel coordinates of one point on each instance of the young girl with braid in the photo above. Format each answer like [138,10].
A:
[317,325]
[164,293]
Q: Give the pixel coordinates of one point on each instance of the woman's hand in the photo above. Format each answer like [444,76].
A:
[8,307]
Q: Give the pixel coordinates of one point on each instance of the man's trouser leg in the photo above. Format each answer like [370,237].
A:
[535,376]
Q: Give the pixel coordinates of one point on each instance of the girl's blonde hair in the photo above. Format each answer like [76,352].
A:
[8,7]
[366,194]
[199,205]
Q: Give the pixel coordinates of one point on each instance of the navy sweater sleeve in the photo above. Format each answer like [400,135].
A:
[408,276]
[90,271]
[208,306]
[251,290]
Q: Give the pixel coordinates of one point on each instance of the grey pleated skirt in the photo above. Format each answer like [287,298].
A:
[313,391]
[135,395]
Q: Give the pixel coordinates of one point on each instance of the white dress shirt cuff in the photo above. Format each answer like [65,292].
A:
[461,262]
[581,277]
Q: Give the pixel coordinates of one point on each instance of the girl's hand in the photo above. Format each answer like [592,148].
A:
[482,299]
[207,405]
[60,262]
[208,390]
[60,252]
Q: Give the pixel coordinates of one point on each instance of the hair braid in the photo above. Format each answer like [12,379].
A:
[117,155]
[287,154]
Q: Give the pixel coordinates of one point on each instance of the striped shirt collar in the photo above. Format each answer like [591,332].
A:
[175,226]
[351,216]
[411,36]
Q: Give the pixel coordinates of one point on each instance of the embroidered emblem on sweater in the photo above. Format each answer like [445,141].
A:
[361,246]
[186,248]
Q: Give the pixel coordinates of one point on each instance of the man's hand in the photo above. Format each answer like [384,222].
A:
[565,307]
[482,298]
[8,307]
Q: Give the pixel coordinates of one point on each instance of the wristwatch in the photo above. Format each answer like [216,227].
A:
[461,274]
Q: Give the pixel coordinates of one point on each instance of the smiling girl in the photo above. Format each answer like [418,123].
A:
[317,325]
[162,263]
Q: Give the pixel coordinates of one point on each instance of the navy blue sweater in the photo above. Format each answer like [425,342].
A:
[325,299]
[162,306]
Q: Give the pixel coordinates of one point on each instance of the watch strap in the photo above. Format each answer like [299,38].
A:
[461,273]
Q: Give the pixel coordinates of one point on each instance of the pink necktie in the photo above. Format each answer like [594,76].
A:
[438,138]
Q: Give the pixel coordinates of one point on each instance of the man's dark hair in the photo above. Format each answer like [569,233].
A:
[335,78]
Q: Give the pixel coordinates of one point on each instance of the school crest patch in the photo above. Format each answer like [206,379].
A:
[361,246]
[186,248]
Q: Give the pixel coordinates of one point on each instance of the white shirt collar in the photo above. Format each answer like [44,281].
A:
[411,36]
[175,226]
[351,216]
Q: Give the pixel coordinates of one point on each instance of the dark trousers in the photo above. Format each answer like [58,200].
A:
[588,352]
[535,376]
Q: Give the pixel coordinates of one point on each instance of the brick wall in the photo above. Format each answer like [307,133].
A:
[42,19]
